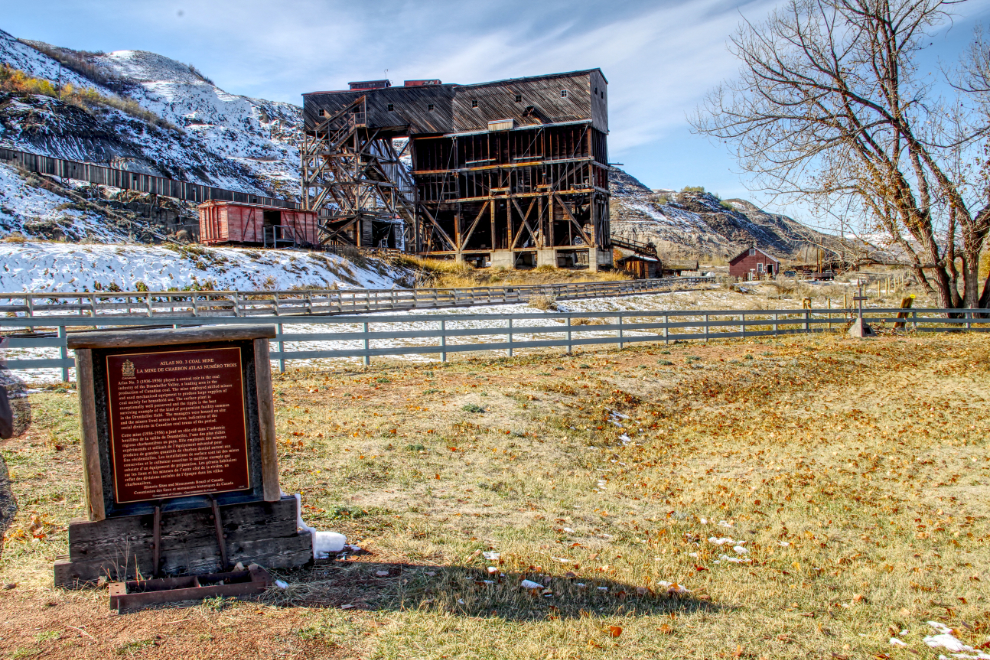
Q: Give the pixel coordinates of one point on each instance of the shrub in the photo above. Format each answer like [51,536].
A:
[472,408]
[15,80]
[693,189]
[543,302]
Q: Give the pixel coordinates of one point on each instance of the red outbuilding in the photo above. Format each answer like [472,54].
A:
[752,263]
[254,224]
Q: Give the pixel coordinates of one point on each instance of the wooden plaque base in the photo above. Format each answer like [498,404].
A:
[122,548]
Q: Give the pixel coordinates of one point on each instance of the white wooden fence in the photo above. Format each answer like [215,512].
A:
[311,339]
[199,304]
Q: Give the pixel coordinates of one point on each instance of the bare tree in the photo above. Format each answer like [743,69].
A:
[831,108]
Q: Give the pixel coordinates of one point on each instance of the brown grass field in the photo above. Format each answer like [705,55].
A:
[853,476]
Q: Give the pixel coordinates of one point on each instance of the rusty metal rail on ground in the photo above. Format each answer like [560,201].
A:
[169,304]
[318,340]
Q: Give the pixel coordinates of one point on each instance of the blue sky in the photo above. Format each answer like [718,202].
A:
[660,57]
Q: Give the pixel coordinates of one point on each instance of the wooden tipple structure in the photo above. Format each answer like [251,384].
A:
[511,173]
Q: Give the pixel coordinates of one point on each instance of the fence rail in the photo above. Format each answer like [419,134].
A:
[170,304]
[365,337]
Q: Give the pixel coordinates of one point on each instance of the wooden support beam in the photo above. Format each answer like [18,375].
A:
[474,224]
[444,234]
[92,471]
[575,223]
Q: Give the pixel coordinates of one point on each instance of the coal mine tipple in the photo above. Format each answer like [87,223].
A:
[511,173]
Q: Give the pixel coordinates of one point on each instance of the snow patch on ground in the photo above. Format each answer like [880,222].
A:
[58,267]
[24,207]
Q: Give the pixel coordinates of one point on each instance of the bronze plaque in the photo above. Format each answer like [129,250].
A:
[177,424]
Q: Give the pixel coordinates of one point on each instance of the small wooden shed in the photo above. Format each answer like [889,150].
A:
[641,266]
[255,224]
[753,263]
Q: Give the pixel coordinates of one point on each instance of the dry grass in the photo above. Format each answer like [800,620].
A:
[442,273]
[854,472]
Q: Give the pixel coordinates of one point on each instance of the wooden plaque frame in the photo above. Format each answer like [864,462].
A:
[256,376]
[189,535]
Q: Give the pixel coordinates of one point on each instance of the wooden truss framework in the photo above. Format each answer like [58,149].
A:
[353,176]
[552,197]
[518,191]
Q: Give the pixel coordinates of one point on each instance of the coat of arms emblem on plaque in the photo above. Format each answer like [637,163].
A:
[127,369]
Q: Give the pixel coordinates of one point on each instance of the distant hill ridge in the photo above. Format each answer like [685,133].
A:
[700,224]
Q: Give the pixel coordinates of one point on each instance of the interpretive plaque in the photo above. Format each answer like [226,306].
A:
[180,465]
[177,424]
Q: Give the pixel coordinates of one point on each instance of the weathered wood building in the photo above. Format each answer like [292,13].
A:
[511,173]
[752,263]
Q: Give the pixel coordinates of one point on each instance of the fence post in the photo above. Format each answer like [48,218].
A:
[443,339]
[510,337]
[367,357]
[63,353]
[195,308]
[775,316]
[807,320]
[742,324]
[706,328]
[621,344]
[237,303]
[147,300]
[666,329]
[570,345]
[969,323]
[281,350]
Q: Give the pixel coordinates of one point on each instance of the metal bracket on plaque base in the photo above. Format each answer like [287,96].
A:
[861,329]
[179,464]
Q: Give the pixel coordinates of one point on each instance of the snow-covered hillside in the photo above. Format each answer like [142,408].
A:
[33,211]
[699,224]
[62,267]
[220,139]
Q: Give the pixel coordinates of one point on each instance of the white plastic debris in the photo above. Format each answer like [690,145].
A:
[785,544]
[562,560]
[720,541]
[324,543]
[529,584]
[492,570]
[740,550]
[703,521]
[491,556]
[896,642]
[734,560]
[569,530]
[722,523]
[281,584]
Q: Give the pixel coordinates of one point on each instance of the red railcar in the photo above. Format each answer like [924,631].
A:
[254,224]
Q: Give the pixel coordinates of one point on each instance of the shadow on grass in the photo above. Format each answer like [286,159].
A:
[475,592]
